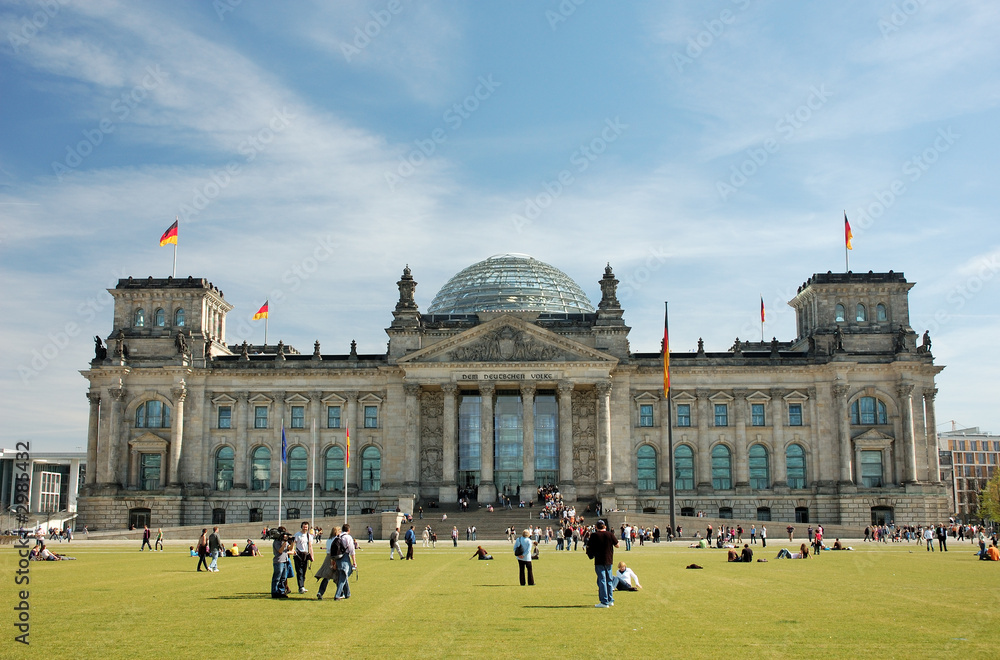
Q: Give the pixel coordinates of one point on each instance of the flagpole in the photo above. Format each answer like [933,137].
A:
[281,470]
[312,479]
[174,272]
[265,328]
[847,245]
[347,463]
[670,432]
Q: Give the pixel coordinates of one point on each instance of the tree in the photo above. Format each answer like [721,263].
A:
[989,499]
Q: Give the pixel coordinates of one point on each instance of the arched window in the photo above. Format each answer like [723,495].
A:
[152,415]
[139,319]
[224,461]
[334,469]
[722,468]
[795,466]
[159,318]
[868,411]
[683,468]
[371,469]
[645,464]
[179,316]
[260,469]
[861,314]
[881,313]
[760,473]
[297,465]
[841,313]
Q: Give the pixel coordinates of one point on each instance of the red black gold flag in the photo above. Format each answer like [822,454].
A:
[847,232]
[261,313]
[169,236]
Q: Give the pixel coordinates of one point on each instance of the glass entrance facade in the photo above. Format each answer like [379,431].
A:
[508,443]
[546,439]
[469,424]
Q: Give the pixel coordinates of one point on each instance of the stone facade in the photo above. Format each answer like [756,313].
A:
[833,426]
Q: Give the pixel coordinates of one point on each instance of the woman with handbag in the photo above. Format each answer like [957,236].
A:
[328,571]
[522,550]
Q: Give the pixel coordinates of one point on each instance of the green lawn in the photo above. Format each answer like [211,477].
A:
[885,601]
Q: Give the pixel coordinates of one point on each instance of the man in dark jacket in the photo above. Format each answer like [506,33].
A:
[411,538]
[601,548]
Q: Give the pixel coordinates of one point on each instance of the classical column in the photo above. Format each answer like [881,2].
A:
[565,434]
[487,491]
[905,392]
[241,460]
[844,426]
[93,432]
[780,476]
[176,436]
[133,469]
[920,438]
[412,467]
[352,422]
[449,445]
[528,436]
[933,458]
[604,430]
[117,442]
[704,442]
[742,462]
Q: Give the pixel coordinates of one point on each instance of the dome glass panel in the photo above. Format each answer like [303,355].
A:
[511,283]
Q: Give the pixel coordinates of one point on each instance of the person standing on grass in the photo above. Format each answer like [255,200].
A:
[411,539]
[159,539]
[202,547]
[347,564]
[929,538]
[601,548]
[942,536]
[303,554]
[214,549]
[522,550]
[454,535]
[763,536]
[145,539]
[280,548]
[789,529]
[394,543]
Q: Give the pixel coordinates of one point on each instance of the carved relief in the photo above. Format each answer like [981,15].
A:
[584,434]
[431,436]
[506,344]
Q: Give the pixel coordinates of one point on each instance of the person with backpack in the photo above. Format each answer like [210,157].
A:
[343,545]
[328,571]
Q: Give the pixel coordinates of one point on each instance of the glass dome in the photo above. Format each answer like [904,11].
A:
[510,282]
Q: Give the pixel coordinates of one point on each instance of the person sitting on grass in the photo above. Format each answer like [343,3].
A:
[623,578]
[481,553]
[700,543]
[44,554]
[250,550]
[803,553]
[992,553]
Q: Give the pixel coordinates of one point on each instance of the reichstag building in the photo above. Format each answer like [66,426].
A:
[513,379]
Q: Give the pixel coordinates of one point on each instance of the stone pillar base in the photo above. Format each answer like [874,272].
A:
[448,494]
[487,493]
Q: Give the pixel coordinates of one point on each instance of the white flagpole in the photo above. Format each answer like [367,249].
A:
[174,274]
[347,460]
[281,473]
[266,318]
[312,481]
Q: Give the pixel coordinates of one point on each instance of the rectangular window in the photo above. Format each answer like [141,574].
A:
[961,445]
[546,439]
[721,414]
[260,417]
[646,415]
[371,417]
[149,471]
[757,414]
[225,417]
[974,445]
[795,414]
[996,445]
[683,414]
[333,417]
[871,469]
[298,417]
[469,415]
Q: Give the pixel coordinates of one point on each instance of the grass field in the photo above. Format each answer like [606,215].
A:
[884,601]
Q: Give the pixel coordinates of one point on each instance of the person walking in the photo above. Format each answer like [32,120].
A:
[159,538]
[145,539]
[202,548]
[346,565]
[394,543]
[601,548]
[789,529]
[328,570]
[454,535]
[522,550]
[753,534]
[303,554]
[411,539]
[214,549]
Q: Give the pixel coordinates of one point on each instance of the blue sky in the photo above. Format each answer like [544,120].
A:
[437,134]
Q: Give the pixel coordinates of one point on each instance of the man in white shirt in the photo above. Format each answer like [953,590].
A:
[303,555]
[346,563]
[623,578]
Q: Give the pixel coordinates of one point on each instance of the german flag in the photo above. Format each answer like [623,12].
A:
[169,236]
[666,354]
[261,313]
[762,309]
[847,232]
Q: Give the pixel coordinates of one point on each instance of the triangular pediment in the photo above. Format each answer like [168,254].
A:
[507,339]
[148,442]
[872,439]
